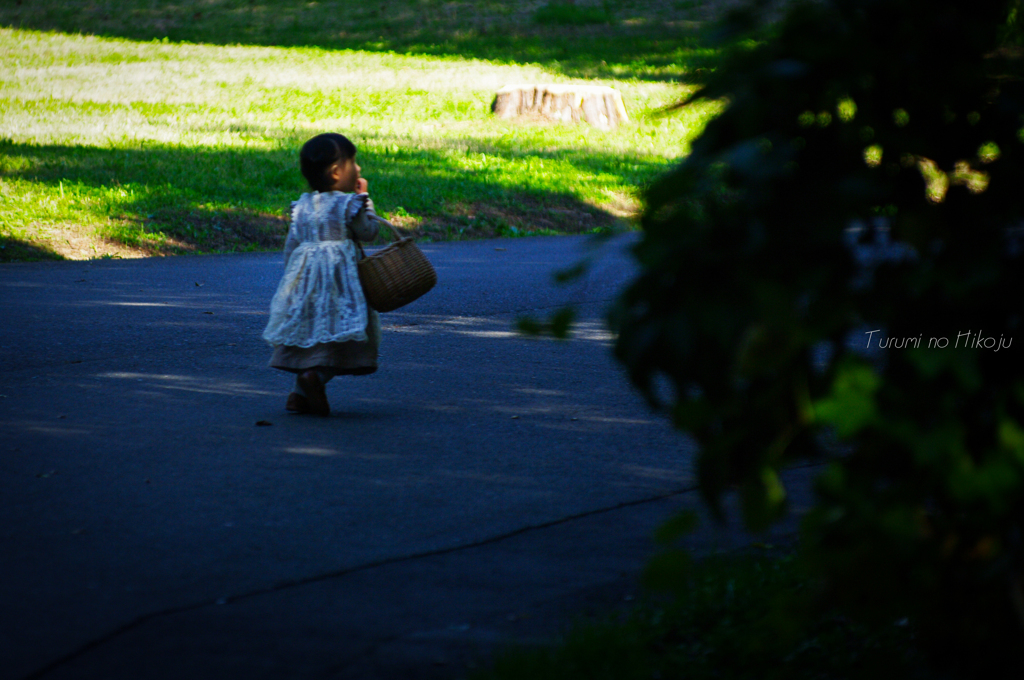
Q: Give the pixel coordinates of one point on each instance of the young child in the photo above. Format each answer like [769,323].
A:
[320,324]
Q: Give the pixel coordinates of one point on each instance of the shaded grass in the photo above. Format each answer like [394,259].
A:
[727,621]
[565,13]
[644,39]
[161,148]
[17,250]
[170,199]
[121,147]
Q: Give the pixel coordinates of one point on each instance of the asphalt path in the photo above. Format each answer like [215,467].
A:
[162,516]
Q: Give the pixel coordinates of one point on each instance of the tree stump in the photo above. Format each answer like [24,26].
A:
[596,105]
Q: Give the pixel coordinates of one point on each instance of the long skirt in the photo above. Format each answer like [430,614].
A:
[343,358]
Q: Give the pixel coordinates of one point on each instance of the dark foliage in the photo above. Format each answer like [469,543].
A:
[867,175]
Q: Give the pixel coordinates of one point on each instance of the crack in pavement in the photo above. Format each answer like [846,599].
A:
[294,583]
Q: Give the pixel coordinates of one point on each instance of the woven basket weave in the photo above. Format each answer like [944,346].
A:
[397,275]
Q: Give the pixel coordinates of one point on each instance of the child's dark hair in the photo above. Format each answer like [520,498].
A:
[320,153]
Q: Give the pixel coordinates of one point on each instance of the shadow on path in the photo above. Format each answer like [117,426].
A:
[481,487]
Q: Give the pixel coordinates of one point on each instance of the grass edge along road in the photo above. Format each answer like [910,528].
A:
[726,620]
[119,147]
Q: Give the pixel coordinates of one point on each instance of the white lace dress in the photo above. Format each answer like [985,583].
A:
[319,316]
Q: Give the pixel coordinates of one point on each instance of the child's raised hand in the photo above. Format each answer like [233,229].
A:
[361,186]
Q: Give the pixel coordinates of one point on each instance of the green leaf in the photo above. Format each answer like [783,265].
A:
[1011,437]
[572,273]
[677,527]
[851,406]
[959,361]
[561,322]
[529,326]
[668,571]
[558,326]
[762,499]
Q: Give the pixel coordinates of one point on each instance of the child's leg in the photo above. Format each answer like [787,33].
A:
[297,401]
[310,386]
[324,373]
[308,395]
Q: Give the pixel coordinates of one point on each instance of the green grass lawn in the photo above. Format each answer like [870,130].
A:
[141,127]
[733,617]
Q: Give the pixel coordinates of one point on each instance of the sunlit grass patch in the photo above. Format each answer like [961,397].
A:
[156,147]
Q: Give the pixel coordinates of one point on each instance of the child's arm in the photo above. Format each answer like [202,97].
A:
[364,226]
[293,240]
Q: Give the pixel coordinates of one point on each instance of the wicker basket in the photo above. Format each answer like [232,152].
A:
[397,275]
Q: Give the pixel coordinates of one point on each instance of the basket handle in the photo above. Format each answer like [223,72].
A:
[394,230]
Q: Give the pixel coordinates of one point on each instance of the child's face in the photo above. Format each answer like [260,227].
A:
[345,175]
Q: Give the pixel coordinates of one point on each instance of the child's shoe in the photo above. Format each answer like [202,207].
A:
[316,397]
[297,403]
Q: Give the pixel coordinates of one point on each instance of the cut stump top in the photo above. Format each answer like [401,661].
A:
[596,105]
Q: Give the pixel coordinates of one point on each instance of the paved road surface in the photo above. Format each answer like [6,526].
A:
[480,488]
